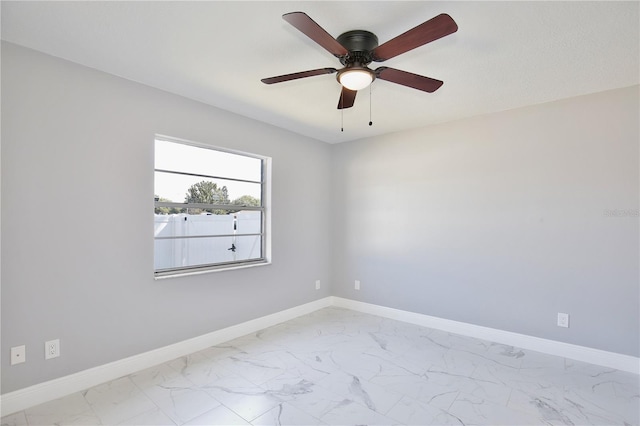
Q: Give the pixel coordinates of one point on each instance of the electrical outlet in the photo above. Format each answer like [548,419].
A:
[52,349]
[317,284]
[357,285]
[18,355]
[563,320]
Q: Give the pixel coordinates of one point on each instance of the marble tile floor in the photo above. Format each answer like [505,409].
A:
[340,367]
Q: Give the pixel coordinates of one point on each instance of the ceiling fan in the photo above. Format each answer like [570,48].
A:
[358,48]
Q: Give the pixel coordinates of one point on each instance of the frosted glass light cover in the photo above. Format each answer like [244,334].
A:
[355,79]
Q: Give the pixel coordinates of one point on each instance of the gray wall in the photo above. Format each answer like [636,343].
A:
[500,220]
[75,140]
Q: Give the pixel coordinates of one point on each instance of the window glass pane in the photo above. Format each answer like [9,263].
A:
[191,159]
[173,187]
[192,225]
[248,247]
[191,252]
[180,224]
[184,252]
[248,222]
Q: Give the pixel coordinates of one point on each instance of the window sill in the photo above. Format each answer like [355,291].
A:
[211,270]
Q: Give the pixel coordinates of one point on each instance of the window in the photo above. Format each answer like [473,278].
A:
[209,208]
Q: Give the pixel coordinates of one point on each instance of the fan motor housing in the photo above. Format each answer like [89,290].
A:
[359,43]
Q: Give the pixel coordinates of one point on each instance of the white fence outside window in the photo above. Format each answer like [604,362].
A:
[178,252]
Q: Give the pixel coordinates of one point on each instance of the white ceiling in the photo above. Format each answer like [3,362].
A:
[505,55]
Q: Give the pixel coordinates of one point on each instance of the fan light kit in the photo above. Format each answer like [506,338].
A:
[356,78]
[358,48]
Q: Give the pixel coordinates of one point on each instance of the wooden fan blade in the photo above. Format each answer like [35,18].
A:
[424,33]
[297,75]
[347,98]
[408,79]
[315,32]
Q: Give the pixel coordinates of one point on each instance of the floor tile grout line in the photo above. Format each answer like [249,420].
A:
[93,410]
[130,377]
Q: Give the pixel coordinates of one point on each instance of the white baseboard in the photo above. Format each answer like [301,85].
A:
[47,391]
[37,394]
[580,353]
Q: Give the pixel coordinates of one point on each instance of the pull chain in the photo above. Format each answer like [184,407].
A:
[370,121]
[341,111]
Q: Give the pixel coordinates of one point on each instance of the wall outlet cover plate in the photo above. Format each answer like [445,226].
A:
[563,320]
[52,349]
[18,355]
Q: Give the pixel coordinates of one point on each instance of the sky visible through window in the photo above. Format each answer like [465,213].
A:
[191,159]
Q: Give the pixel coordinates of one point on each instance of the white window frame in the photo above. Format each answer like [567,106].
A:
[265,209]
